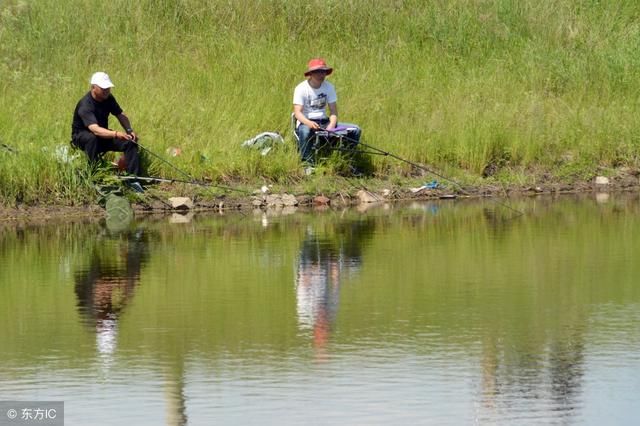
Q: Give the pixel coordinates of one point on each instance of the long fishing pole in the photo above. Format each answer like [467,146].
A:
[163,180]
[192,180]
[382,152]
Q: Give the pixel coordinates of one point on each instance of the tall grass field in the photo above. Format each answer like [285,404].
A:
[461,85]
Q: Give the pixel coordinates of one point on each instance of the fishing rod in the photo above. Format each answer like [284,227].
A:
[162,180]
[192,180]
[378,151]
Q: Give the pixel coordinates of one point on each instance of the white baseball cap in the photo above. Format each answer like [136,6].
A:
[102,80]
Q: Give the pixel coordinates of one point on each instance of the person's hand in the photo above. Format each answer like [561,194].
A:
[129,136]
[313,125]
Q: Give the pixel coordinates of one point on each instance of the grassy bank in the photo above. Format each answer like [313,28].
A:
[466,86]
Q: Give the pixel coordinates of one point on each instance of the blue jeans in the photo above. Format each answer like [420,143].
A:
[306,135]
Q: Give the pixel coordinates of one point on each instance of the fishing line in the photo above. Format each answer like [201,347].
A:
[158,179]
[192,180]
[378,151]
[361,187]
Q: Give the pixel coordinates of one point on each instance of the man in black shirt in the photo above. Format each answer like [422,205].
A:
[90,128]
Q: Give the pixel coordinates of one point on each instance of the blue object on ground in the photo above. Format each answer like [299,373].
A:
[432,185]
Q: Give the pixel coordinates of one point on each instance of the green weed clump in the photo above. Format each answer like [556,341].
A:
[458,84]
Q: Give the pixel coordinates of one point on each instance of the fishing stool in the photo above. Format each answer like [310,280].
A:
[325,141]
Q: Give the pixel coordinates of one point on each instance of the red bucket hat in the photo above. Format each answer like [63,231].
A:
[317,64]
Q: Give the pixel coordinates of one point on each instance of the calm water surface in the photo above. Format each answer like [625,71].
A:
[425,313]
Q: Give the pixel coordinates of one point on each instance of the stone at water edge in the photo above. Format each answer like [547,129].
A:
[321,200]
[602,180]
[181,203]
[289,200]
[274,200]
[366,197]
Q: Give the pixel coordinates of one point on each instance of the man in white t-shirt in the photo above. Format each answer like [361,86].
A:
[311,99]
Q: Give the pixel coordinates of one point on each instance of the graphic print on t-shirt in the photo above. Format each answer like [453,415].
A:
[317,106]
[320,102]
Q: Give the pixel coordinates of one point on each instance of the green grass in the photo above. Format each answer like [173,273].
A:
[457,84]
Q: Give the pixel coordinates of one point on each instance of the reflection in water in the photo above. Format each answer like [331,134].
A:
[443,314]
[489,361]
[175,400]
[325,258]
[106,286]
[567,368]
[510,372]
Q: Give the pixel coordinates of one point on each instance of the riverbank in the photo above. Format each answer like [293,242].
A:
[157,198]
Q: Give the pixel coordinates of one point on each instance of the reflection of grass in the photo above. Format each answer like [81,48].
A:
[455,84]
[454,275]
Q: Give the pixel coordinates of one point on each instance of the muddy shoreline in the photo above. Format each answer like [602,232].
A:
[158,204]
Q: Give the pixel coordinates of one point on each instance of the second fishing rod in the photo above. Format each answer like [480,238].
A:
[370,149]
[191,179]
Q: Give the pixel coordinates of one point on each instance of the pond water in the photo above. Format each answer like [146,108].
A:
[449,312]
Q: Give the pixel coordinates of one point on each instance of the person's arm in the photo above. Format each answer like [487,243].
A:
[333,116]
[297,112]
[103,133]
[126,124]
[88,117]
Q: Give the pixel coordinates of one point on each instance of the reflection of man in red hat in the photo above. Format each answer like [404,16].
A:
[311,99]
